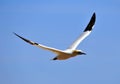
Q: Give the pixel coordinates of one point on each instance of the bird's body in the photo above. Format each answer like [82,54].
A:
[71,51]
[68,54]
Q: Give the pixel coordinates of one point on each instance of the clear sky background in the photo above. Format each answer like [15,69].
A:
[57,23]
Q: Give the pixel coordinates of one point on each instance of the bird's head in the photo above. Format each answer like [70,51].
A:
[79,52]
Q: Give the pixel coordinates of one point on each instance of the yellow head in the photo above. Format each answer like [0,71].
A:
[78,52]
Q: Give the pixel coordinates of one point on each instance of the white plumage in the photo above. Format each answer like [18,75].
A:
[71,51]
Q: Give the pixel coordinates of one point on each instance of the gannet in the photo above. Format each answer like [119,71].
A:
[71,51]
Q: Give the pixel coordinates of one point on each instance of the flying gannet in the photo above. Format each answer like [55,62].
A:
[71,51]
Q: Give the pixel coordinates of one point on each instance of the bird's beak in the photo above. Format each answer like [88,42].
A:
[83,53]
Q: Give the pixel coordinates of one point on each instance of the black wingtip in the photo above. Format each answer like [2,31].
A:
[91,23]
[26,40]
[17,35]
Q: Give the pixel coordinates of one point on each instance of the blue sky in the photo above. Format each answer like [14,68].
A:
[57,23]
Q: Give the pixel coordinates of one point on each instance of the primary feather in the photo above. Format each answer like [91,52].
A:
[86,32]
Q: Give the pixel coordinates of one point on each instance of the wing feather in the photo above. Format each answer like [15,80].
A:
[86,32]
[57,51]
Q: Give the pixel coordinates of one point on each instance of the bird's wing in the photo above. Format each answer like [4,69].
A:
[57,51]
[86,32]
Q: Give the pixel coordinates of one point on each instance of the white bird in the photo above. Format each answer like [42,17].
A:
[71,51]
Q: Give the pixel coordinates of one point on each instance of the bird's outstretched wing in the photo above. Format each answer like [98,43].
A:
[86,32]
[57,51]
